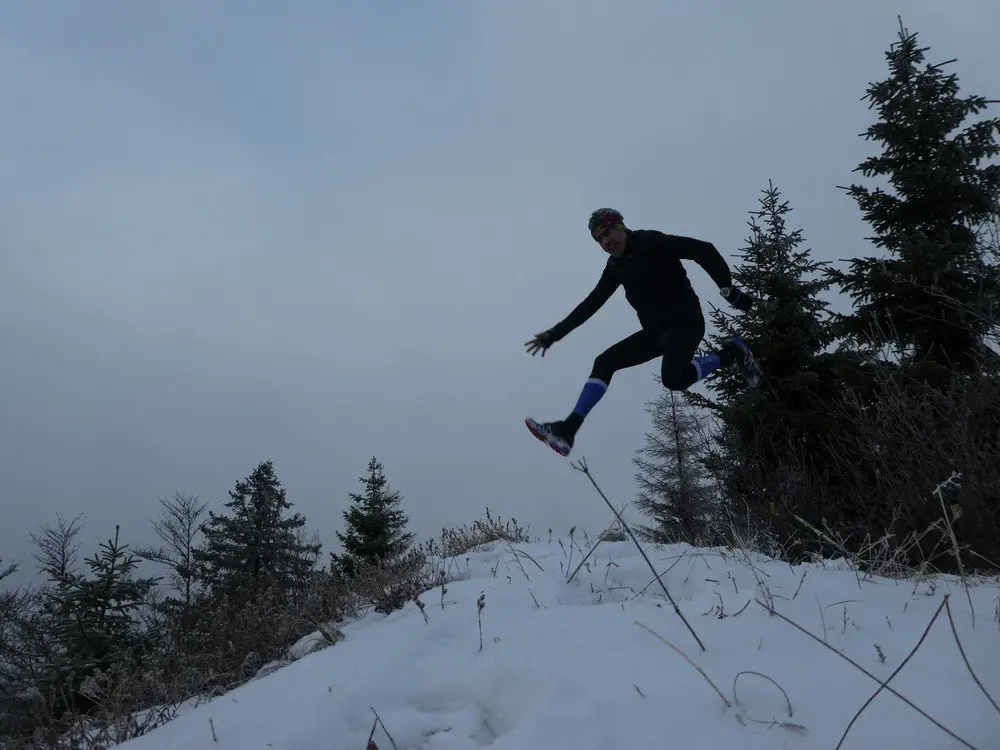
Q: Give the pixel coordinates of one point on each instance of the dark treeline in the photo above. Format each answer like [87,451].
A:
[877,435]
[94,642]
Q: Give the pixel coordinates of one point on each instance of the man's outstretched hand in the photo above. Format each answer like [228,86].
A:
[541,341]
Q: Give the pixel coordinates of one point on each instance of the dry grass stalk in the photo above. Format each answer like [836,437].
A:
[949,518]
[864,671]
[459,540]
[517,558]
[896,671]
[582,467]
[480,605]
[688,660]
[961,650]
[610,534]
[584,560]
[839,545]
[788,702]
[659,576]
[381,724]
[799,728]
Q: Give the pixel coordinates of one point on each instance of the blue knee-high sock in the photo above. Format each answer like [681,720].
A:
[706,365]
[592,392]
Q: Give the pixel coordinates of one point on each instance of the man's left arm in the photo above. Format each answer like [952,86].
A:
[709,258]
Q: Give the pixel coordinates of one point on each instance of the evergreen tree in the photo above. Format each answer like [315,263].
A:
[105,605]
[11,602]
[790,324]
[766,433]
[256,547]
[928,298]
[56,557]
[675,492]
[13,607]
[925,310]
[989,242]
[375,525]
[92,620]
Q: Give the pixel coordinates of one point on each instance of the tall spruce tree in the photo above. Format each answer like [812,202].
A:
[675,492]
[105,605]
[375,531]
[928,299]
[989,241]
[925,310]
[765,432]
[256,547]
[92,620]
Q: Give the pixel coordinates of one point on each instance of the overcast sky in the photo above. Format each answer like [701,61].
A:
[320,231]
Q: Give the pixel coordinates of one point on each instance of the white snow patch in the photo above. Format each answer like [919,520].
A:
[326,635]
[564,665]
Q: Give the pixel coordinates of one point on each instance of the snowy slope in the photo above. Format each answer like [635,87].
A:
[566,666]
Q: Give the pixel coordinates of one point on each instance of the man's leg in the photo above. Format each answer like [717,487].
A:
[634,350]
[680,369]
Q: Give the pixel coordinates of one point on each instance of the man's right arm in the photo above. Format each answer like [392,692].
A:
[601,293]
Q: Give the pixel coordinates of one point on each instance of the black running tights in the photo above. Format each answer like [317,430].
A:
[677,345]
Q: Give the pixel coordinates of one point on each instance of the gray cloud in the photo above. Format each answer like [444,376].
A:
[315,237]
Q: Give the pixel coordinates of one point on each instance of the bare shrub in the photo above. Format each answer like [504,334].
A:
[918,437]
[236,637]
[211,644]
[458,540]
[221,643]
[178,528]
[386,586]
[884,499]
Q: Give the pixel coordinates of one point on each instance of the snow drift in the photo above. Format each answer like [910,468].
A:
[514,656]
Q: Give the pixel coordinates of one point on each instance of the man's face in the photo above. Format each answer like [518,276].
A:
[612,240]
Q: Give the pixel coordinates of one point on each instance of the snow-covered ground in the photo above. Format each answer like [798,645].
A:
[573,665]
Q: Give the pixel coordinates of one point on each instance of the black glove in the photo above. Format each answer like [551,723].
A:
[739,299]
[542,341]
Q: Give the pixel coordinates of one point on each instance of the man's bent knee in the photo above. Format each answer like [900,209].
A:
[678,377]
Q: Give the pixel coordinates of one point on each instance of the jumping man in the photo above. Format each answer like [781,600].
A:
[647,263]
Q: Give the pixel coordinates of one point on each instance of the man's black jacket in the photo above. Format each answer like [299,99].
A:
[656,284]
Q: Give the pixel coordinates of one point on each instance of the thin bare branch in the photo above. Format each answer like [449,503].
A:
[688,660]
[961,650]
[944,603]
[582,467]
[864,671]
